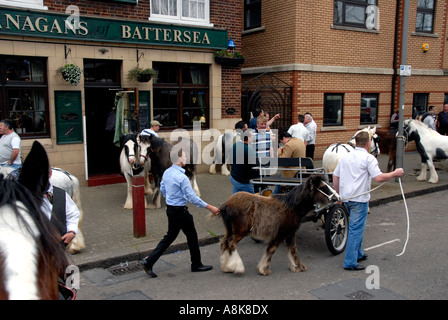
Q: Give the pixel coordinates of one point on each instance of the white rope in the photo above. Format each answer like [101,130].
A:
[364,192]
[405,205]
[407,217]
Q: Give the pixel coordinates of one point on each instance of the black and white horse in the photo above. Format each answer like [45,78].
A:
[31,255]
[336,151]
[430,144]
[222,154]
[132,164]
[69,183]
[158,152]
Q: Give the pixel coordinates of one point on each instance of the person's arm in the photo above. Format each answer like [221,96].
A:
[271,121]
[72,216]
[383,177]
[15,153]
[336,183]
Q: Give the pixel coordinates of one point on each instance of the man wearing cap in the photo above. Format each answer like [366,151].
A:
[155,126]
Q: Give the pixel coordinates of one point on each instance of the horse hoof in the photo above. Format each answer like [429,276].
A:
[264,272]
[299,268]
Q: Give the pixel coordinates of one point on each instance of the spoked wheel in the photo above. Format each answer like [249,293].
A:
[336,229]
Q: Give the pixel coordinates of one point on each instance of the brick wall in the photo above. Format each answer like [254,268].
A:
[302,33]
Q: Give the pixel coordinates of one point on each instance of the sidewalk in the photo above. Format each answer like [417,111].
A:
[108,228]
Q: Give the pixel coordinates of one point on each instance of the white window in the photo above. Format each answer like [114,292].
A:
[196,12]
[29,4]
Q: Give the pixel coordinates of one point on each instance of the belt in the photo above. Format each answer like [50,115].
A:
[176,207]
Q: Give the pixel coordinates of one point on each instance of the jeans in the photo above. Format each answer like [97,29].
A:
[358,216]
[238,186]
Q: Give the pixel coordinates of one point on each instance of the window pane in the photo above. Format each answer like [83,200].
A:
[369,108]
[165,107]
[252,14]
[355,14]
[23,107]
[333,109]
[425,4]
[338,9]
[194,75]
[194,107]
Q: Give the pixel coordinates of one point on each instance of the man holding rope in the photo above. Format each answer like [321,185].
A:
[352,179]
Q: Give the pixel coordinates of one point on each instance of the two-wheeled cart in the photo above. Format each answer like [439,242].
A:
[334,216]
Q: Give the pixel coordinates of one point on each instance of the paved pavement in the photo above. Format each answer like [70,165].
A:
[108,228]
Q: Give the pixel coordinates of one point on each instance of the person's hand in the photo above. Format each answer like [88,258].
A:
[68,237]
[398,172]
[213,209]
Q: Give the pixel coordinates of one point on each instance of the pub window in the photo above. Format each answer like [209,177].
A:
[369,108]
[333,103]
[181,95]
[351,13]
[252,14]
[24,95]
[181,11]
[102,72]
[420,104]
[425,16]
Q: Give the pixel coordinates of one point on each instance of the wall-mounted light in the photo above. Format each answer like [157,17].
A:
[425,47]
[103,50]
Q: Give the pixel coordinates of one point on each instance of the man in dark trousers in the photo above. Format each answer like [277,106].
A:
[177,190]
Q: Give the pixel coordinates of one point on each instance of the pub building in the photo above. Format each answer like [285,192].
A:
[64,70]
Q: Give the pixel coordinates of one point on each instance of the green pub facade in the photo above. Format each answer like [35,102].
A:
[73,113]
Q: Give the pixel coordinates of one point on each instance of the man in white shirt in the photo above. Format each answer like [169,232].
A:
[9,145]
[311,126]
[299,131]
[351,179]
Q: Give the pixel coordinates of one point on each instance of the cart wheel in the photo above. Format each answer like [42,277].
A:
[336,229]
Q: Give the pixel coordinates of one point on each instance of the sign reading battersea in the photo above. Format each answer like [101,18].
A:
[75,27]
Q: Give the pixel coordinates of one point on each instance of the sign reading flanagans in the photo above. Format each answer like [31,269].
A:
[53,25]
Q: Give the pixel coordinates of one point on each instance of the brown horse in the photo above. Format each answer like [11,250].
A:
[387,143]
[274,219]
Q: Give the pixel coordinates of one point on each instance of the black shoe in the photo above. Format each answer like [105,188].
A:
[357,268]
[201,268]
[363,258]
[148,269]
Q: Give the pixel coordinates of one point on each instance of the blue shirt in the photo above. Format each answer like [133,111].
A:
[177,190]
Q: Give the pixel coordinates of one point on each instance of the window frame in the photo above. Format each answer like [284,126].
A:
[415,111]
[27,4]
[370,95]
[7,87]
[331,124]
[179,18]
[354,3]
[425,12]
[181,90]
[254,4]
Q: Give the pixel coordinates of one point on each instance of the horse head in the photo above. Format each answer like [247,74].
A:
[130,147]
[374,148]
[145,145]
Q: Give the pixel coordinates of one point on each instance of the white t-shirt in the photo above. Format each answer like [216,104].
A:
[299,131]
[356,171]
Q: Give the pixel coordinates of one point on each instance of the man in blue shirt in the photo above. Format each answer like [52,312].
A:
[177,190]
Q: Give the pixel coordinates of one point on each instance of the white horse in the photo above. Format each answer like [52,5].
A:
[430,144]
[133,164]
[70,184]
[222,149]
[336,151]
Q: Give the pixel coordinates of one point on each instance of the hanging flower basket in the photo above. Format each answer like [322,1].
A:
[71,73]
[141,75]
[229,57]
[229,61]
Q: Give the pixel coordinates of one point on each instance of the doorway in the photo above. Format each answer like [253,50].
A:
[102,154]
[100,77]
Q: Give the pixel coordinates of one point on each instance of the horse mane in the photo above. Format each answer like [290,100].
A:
[300,195]
[49,247]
